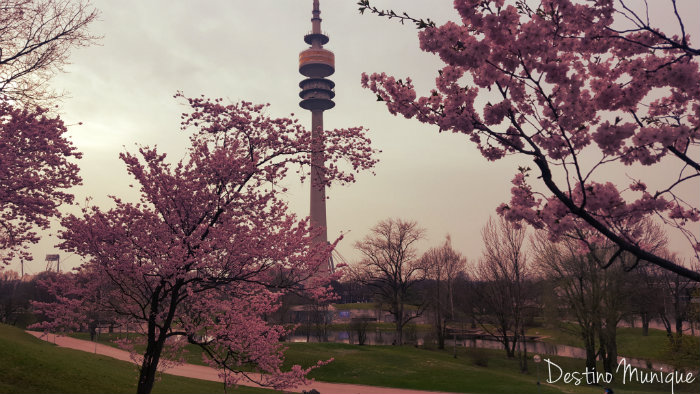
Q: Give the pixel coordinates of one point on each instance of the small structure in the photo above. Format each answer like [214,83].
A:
[52,260]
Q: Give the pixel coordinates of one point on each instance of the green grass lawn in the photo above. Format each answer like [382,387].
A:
[417,368]
[409,367]
[356,305]
[30,365]
[630,343]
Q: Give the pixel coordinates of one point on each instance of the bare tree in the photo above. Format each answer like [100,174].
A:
[502,273]
[35,41]
[596,298]
[575,279]
[647,302]
[391,267]
[441,266]
[672,304]
[676,293]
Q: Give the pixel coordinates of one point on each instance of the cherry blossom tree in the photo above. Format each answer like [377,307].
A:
[35,41]
[36,169]
[77,303]
[583,91]
[210,247]
[35,156]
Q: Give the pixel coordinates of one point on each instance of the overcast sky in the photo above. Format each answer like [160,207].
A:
[122,92]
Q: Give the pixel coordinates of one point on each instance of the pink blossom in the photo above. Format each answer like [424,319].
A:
[36,169]
[210,247]
[564,77]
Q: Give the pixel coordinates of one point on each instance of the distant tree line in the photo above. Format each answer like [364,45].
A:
[522,280]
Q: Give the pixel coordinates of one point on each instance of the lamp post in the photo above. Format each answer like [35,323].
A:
[537,359]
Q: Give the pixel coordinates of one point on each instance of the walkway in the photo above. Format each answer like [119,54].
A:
[208,373]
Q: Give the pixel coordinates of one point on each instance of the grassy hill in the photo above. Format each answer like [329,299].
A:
[410,367]
[630,343]
[474,371]
[29,365]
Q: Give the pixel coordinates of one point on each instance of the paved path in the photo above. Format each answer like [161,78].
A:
[208,373]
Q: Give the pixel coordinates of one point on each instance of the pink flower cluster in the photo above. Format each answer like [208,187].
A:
[568,84]
[36,169]
[210,247]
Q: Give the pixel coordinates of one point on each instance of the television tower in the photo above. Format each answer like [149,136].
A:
[316,63]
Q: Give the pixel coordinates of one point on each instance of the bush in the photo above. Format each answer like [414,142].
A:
[479,357]
[358,327]
[683,349]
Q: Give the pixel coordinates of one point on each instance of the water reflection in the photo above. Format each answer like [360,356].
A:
[544,348]
[533,347]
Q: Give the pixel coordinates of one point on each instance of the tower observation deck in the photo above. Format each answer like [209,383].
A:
[317,63]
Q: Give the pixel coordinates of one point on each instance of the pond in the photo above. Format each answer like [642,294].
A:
[420,337]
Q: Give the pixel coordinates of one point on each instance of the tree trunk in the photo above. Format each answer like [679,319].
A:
[645,324]
[308,325]
[454,344]
[611,363]
[679,325]
[589,341]
[523,354]
[149,367]
[608,348]
[510,347]
[441,331]
[439,320]
[155,343]
[92,327]
[399,324]
[667,325]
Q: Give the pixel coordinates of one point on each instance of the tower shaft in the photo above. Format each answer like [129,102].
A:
[317,63]
[317,207]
